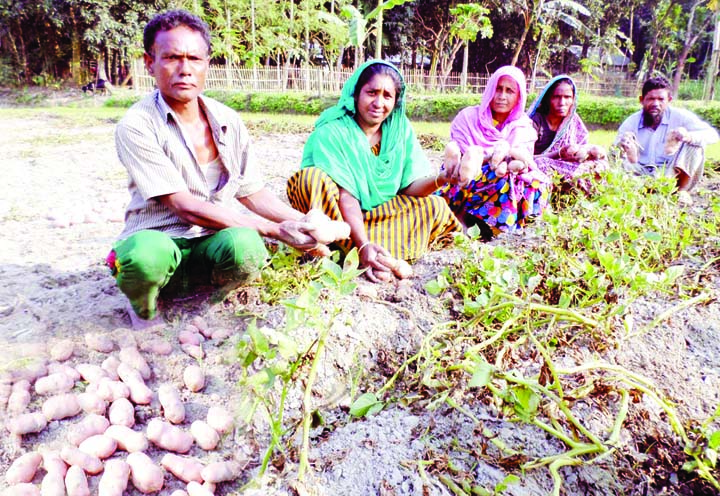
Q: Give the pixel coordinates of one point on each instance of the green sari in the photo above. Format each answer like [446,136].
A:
[340,148]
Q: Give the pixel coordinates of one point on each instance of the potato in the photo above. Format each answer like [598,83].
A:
[53,484]
[196,489]
[205,436]
[399,267]
[122,412]
[325,230]
[134,358]
[54,384]
[63,368]
[114,480]
[61,406]
[221,472]
[111,390]
[220,419]
[156,347]
[76,482]
[140,394]
[110,365]
[222,333]
[178,492]
[73,456]
[91,373]
[146,476]
[19,397]
[52,462]
[27,423]
[127,439]
[99,445]
[89,426]
[194,378]
[188,337]
[92,403]
[173,408]
[23,489]
[169,437]
[99,342]
[201,325]
[184,468]
[501,169]
[23,469]
[500,152]
[194,351]
[516,166]
[62,350]
[5,391]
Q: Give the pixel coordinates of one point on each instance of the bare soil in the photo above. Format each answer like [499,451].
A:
[63,198]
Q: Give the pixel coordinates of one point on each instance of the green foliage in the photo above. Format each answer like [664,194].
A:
[121,101]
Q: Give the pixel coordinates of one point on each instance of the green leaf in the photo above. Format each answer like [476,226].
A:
[366,404]
[259,341]
[613,236]
[481,375]
[435,287]
[652,236]
[714,440]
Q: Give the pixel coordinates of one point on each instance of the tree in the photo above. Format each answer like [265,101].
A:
[470,20]
[699,19]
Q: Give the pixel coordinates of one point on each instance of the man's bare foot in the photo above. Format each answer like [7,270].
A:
[139,324]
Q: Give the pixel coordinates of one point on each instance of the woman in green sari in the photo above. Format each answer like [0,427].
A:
[364,165]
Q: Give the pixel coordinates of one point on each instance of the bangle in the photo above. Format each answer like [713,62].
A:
[363,246]
[437,186]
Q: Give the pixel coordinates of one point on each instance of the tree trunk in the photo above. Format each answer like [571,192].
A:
[466,56]
[379,32]
[520,44]
[712,69]
[75,65]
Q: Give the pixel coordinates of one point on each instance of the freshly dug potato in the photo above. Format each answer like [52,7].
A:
[172,405]
[146,476]
[202,326]
[61,406]
[127,439]
[53,484]
[197,489]
[111,390]
[74,457]
[325,229]
[22,489]
[188,337]
[140,394]
[100,446]
[19,397]
[110,365]
[76,482]
[169,437]
[52,462]
[399,267]
[194,351]
[134,358]
[23,469]
[222,333]
[179,492]
[54,384]
[90,372]
[220,419]
[122,412]
[99,342]
[194,378]
[500,152]
[184,468]
[205,436]
[27,423]
[221,472]
[92,403]
[63,368]
[114,480]
[89,426]
[156,347]
[62,350]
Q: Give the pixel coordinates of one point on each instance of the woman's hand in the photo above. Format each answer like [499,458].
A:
[371,258]
[461,169]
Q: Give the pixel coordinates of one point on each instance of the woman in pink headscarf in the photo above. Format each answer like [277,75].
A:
[495,183]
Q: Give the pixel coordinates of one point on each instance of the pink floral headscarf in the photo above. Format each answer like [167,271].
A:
[473,126]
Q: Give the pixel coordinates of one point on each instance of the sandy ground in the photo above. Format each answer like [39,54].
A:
[63,197]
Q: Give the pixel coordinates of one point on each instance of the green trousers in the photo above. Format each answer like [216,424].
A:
[149,262]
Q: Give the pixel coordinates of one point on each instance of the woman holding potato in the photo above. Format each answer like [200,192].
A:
[489,158]
[364,165]
[562,146]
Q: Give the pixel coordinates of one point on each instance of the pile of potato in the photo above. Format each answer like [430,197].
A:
[106,443]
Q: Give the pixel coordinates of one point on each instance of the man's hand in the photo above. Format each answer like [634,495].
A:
[630,146]
[296,234]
